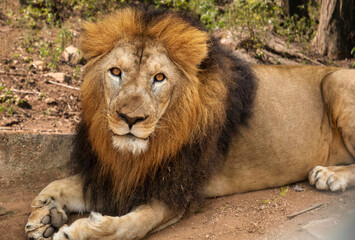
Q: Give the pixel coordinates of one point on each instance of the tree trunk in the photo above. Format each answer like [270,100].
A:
[335,36]
[296,7]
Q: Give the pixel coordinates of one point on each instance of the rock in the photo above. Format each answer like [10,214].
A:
[320,229]
[245,56]
[71,55]
[58,76]
[40,65]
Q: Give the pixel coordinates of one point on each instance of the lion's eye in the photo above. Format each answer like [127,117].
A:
[115,71]
[159,77]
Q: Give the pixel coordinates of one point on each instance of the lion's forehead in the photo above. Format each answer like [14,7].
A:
[133,57]
[125,56]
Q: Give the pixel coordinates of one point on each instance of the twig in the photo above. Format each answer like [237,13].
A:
[23,91]
[304,211]
[14,74]
[8,128]
[64,85]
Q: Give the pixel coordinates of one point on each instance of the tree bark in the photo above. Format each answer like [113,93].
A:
[335,36]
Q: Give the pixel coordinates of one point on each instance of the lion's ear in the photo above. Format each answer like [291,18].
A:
[187,45]
[101,37]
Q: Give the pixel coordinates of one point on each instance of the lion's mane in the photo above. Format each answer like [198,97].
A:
[193,135]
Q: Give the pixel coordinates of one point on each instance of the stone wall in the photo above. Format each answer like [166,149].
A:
[27,157]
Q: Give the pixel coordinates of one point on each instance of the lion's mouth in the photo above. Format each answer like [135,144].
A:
[129,135]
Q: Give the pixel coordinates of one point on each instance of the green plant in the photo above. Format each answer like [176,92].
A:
[37,11]
[208,13]
[16,56]
[76,72]
[7,100]
[254,17]
[265,201]
[42,95]
[353,54]
[283,191]
[297,29]
[206,10]
[55,12]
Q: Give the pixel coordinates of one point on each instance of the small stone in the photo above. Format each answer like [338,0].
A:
[71,55]
[40,65]
[298,188]
[58,76]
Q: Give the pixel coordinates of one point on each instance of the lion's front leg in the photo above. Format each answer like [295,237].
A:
[50,207]
[134,225]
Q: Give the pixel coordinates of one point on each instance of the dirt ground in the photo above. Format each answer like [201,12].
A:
[31,99]
[254,215]
[39,103]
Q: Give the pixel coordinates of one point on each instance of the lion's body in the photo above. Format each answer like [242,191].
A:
[290,133]
[169,117]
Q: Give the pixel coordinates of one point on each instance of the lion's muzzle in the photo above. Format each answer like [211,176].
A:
[131,120]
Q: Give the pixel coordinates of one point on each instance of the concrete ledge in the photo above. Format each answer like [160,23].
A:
[25,156]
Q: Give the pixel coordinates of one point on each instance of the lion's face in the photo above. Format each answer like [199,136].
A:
[139,80]
[141,90]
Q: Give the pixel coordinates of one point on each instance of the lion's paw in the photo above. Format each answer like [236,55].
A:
[325,178]
[46,218]
[82,228]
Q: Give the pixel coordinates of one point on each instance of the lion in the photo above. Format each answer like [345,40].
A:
[171,118]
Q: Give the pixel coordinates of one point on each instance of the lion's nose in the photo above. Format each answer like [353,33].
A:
[130,120]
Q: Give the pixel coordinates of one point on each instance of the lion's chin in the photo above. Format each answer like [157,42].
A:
[130,143]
